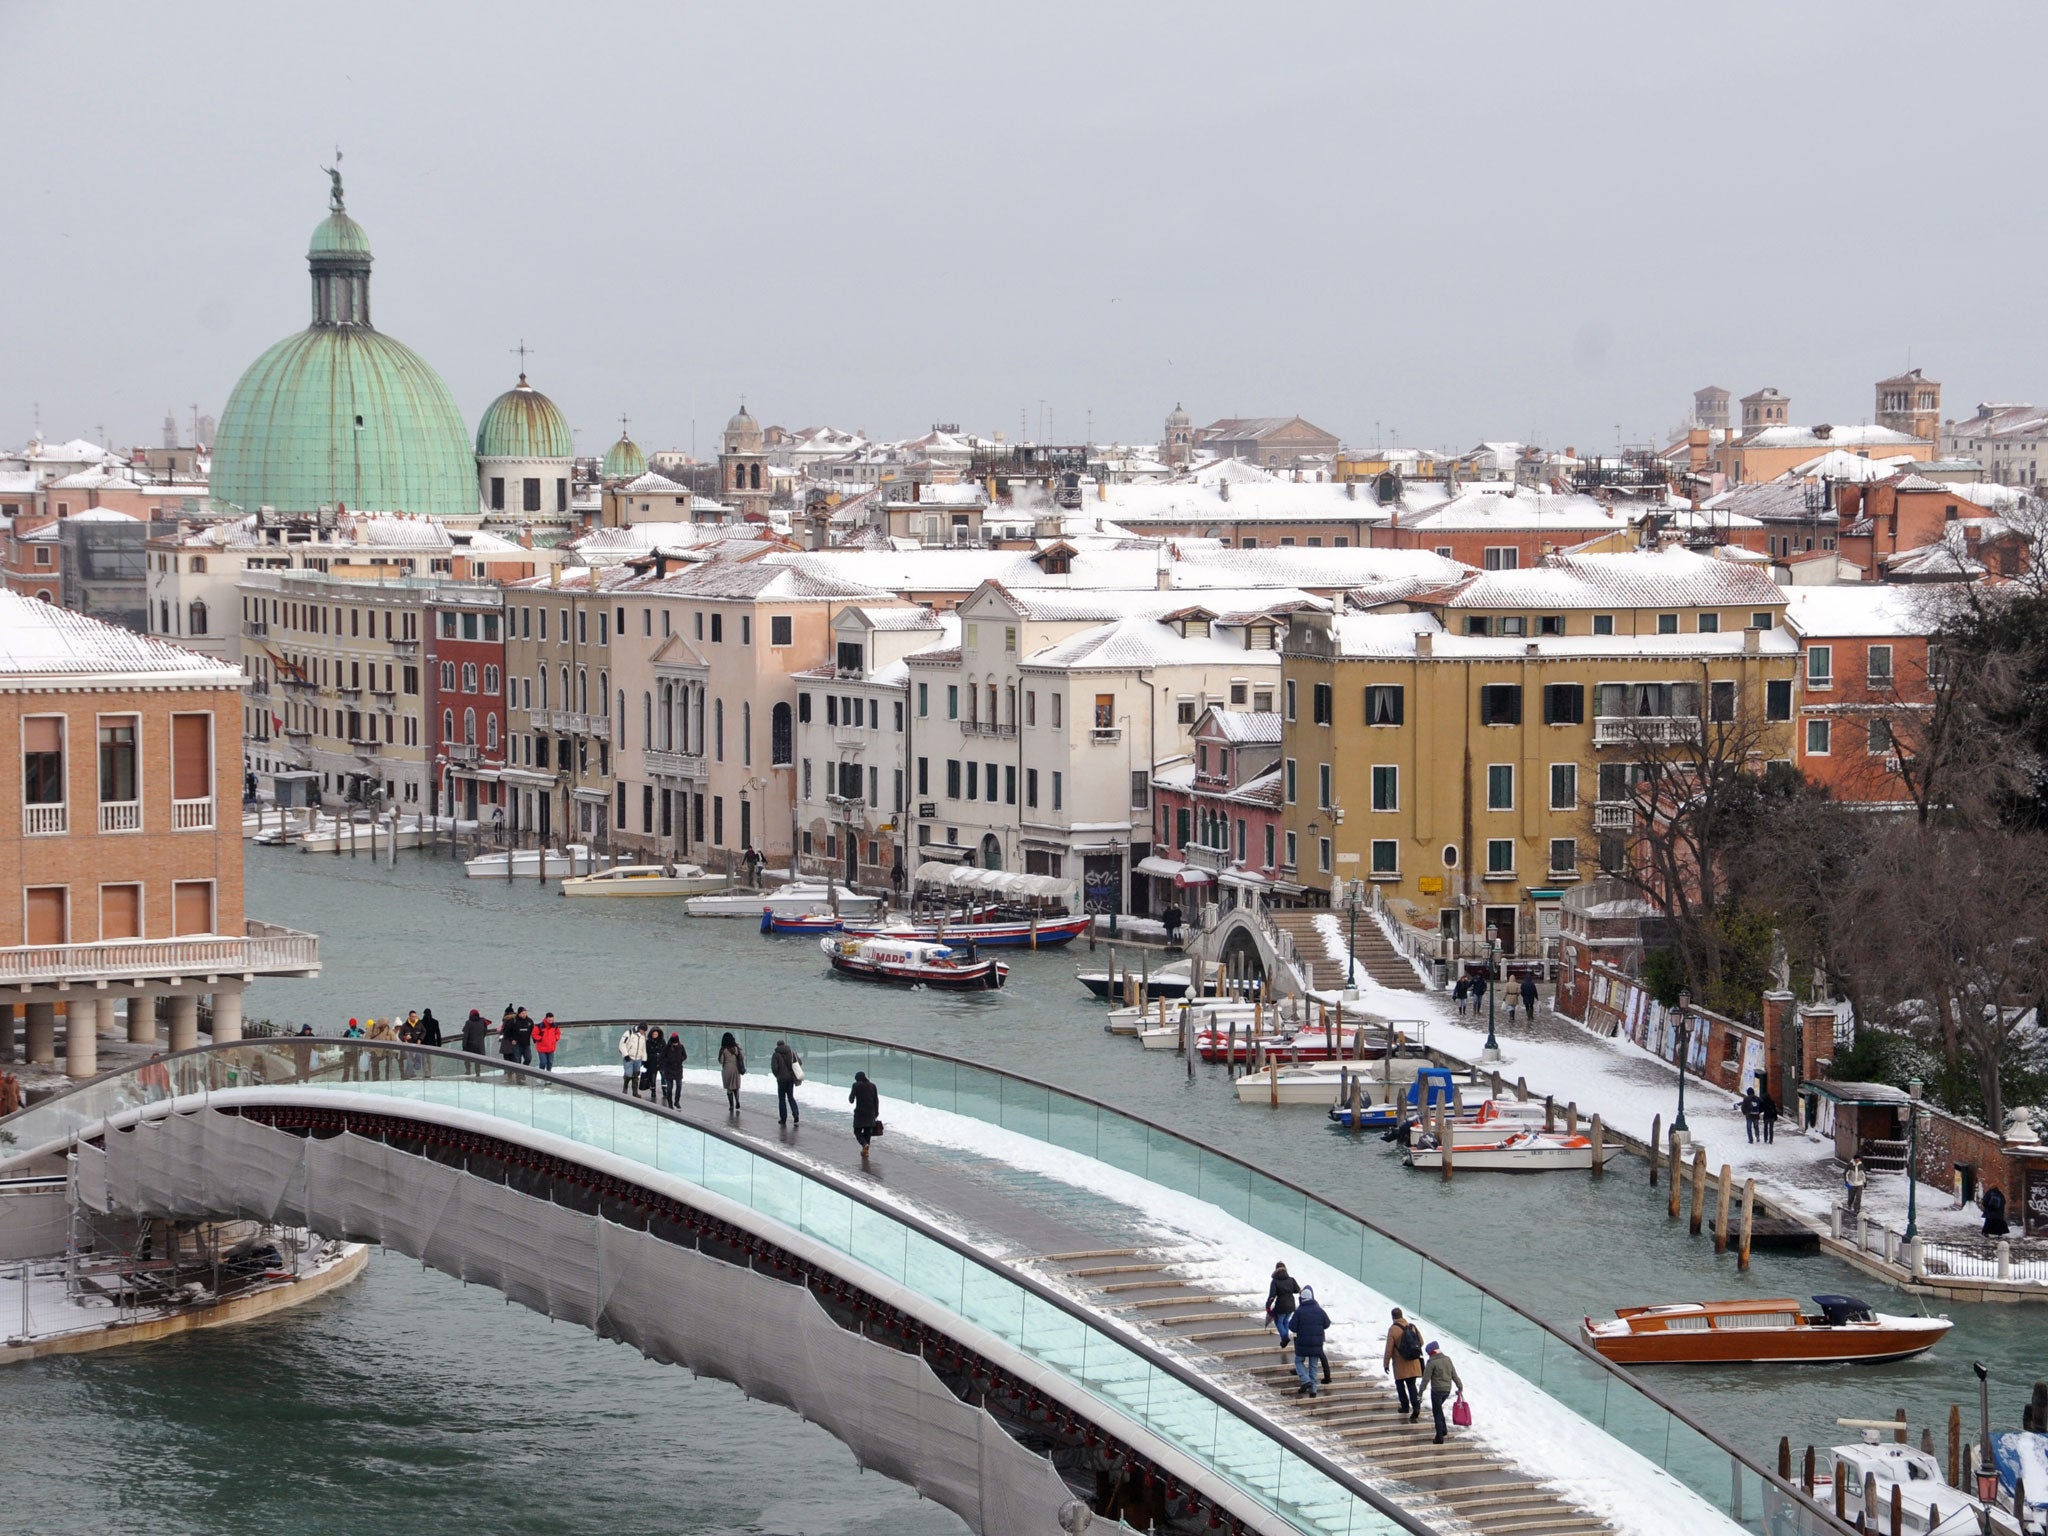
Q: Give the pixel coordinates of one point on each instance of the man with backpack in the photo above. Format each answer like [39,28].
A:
[1403,1356]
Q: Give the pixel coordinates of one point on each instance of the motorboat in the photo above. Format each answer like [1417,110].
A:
[2022,1459]
[526,863]
[988,932]
[790,900]
[411,832]
[644,880]
[1871,1472]
[1531,1151]
[786,924]
[1428,1088]
[1172,980]
[912,962]
[1382,1081]
[1757,1331]
[1207,1013]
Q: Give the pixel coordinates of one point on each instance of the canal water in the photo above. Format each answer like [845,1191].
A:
[407,1403]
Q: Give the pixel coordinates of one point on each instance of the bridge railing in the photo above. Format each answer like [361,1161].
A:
[1559,1364]
[1267,1465]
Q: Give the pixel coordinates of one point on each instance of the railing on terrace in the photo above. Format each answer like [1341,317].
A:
[265,947]
[195,815]
[120,815]
[44,820]
[681,765]
[1648,730]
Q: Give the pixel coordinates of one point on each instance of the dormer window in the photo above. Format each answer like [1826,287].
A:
[1259,637]
[1194,627]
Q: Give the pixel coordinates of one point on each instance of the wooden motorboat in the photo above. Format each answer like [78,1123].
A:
[1757,1330]
[644,880]
[1928,1506]
[912,962]
[798,924]
[1531,1151]
[987,933]
[791,900]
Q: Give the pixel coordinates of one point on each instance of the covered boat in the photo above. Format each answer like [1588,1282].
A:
[644,880]
[576,859]
[1760,1330]
[912,962]
[1170,981]
[988,931]
[1870,1473]
[791,900]
[798,924]
[1534,1151]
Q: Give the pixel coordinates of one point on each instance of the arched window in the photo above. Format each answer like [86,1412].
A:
[198,619]
[754,474]
[718,729]
[604,694]
[447,725]
[647,718]
[739,477]
[543,687]
[582,692]
[567,696]
[668,717]
[469,726]
[746,734]
[163,614]
[491,732]
[781,737]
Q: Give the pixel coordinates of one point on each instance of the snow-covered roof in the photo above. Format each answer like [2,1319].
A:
[1395,634]
[1841,464]
[1501,507]
[39,642]
[102,515]
[1822,438]
[1664,578]
[1142,643]
[1247,727]
[899,619]
[1860,609]
[652,483]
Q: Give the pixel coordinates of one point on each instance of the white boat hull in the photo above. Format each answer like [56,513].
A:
[1498,1159]
[632,881]
[787,901]
[576,859]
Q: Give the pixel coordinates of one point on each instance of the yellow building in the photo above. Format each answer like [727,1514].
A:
[1476,772]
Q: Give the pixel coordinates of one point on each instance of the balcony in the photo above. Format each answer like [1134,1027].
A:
[1645,730]
[674,765]
[299,732]
[298,684]
[385,698]
[1613,818]
[121,816]
[1106,734]
[366,748]
[192,815]
[256,629]
[987,728]
[44,820]
[349,695]
[600,726]
[406,647]
[461,753]
[1200,856]
[849,738]
[264,949]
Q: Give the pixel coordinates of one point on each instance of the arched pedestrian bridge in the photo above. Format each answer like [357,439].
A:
[1031,1300]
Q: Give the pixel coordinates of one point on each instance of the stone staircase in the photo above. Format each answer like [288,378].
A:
[1377,957]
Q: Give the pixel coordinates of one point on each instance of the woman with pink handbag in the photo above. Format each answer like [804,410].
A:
[1442,1376]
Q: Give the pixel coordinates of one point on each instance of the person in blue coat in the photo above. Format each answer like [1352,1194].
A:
[1311,1322]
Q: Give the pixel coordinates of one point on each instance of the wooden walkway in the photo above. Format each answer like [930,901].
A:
[1354,1420]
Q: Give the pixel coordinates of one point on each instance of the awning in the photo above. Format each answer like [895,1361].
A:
[1001,882]
[1153,864]
[1244,879]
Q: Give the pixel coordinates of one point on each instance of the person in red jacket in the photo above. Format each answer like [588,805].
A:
[546,1037]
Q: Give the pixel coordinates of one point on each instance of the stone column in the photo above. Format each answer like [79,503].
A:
[142,1019]
[42,1033]
[86,1018]
[184,1023]
[227,1014]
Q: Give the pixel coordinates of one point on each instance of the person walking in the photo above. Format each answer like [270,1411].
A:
[522,1037]
[476,1030]
[1993,1206]
[788,1071]
[1403,1356]
[1442,1376]
[1852,1189]
[732,1066]
[673,1055]
[1460,991]
[380,1061]
[1282,1294]
[1173,917]
[1529,998]
[1311,1322]
[1767,1111]
[1479,994]
[547,1039]
[1751,1109]
[632,1057]
[430,1028]
[866,1100]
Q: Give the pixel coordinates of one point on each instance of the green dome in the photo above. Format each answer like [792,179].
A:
[523,423]
[341,415]
[624,460]
[339,235]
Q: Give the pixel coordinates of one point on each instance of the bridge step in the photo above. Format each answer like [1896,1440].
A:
[1220,1333]
[1145,1285]
[1119,1269]
[1091,1253]
[1156,1301]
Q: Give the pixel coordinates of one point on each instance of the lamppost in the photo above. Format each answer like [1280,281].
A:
[1684,1044]
[1492,1052]
[1913,1090]
[1354,898]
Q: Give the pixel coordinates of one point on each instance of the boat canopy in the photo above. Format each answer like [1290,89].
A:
[1001,882]
[1843,1309]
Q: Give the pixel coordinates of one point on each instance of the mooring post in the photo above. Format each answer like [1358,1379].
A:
[1955,1445]
[1699,1185]
[1748,1219]
[1357,1105]
[1571,1117]
[1656,1143]
[1599,1138]
[1727,1182]
[1677,1166]
[1549,1113]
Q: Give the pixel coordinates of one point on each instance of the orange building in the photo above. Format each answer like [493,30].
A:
[125,877]
[32,558]
[1863,687]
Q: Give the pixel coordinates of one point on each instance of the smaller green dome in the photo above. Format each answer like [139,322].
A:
[523,423]
[339,235]
[624,460]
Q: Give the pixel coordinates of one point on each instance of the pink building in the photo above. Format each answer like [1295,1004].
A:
[1216,816]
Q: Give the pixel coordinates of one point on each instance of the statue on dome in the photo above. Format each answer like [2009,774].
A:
[333,171]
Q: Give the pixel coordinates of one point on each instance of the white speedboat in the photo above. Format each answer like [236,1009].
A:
[1329,1082]
[644,880]
[1535,1151]
[576,859]
[792,900]
[1928,1506]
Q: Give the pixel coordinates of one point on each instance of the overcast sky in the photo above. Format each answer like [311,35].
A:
[1433,223]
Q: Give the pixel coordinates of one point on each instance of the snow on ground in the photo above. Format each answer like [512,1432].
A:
[1516,1419]
[1628,1087]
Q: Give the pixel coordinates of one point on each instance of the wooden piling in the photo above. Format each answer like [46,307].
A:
[1549,1113]
[1357,1105]
[1496,1082]
[1955,1445]
[1899,1434]
[1273,1080]
[1656,1142]
[1677,1167]
[1521,1090]
[1599,1139]
[1785,1458]
[1748,1221]
[1727,1181]
[1230,1051]
[1445,1135]
[1571,1117]
[1806,1474]
[1841,1495]
[1898,1510]
[1699,1185]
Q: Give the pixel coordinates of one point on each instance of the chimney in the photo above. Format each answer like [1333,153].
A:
[1424,642]
[1351,490]
[526,536]
[1164,579]
[916,491]
[555,574]
[1223,489]
[660,564]
[1752,642]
